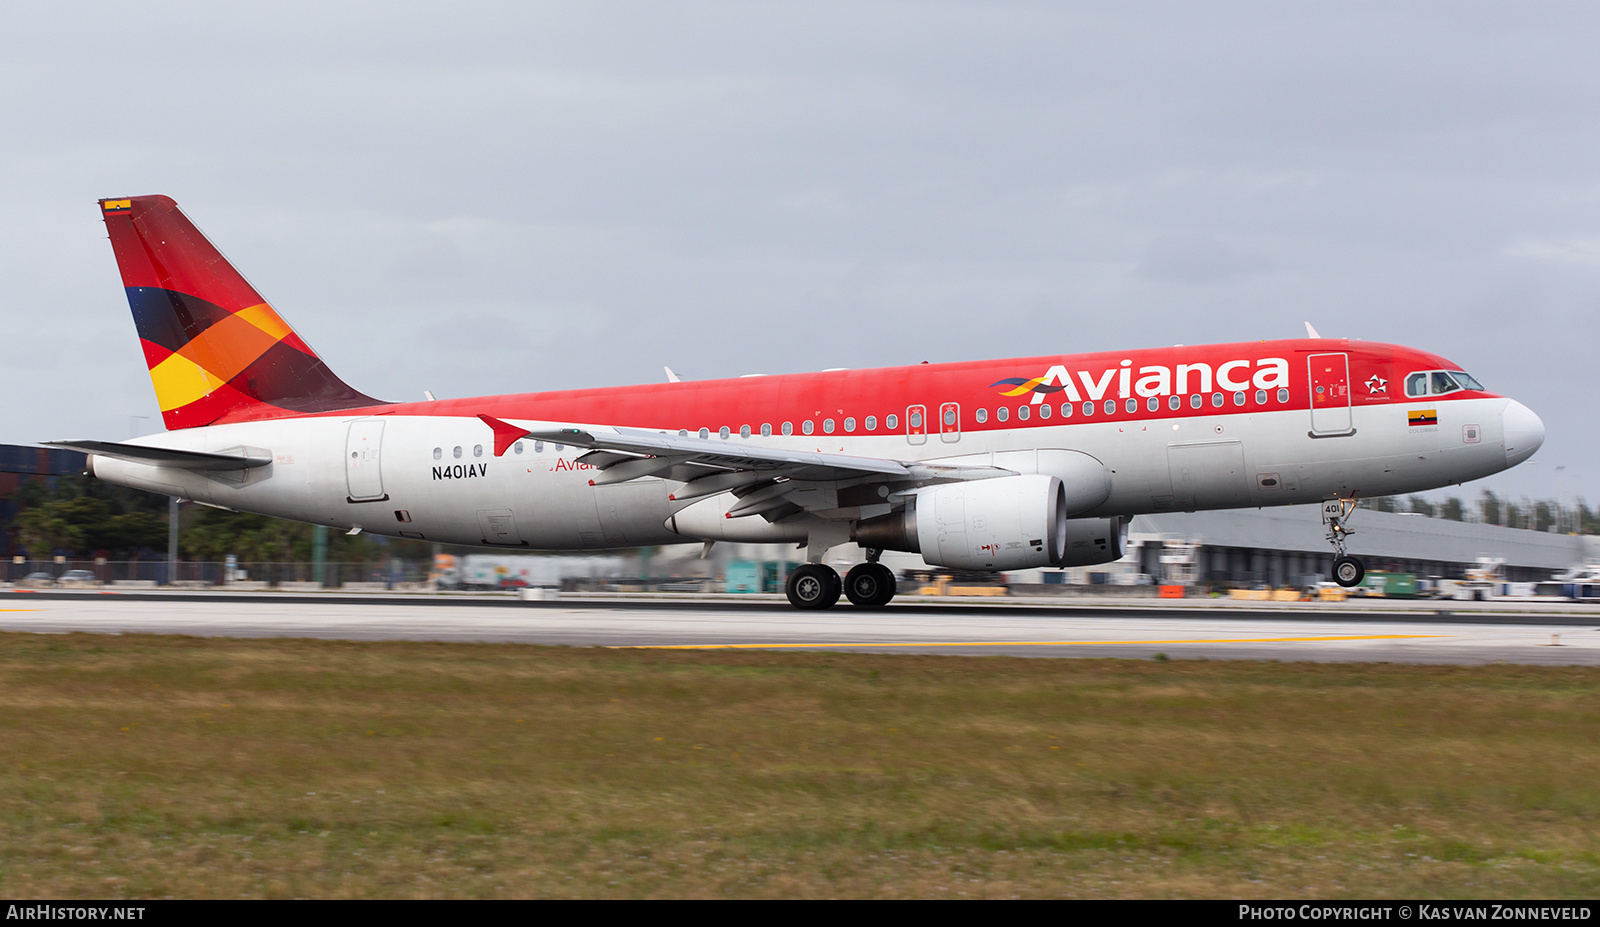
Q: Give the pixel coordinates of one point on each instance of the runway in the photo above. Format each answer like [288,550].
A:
[1216,633]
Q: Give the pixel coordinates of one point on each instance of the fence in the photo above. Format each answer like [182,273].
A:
[211,573]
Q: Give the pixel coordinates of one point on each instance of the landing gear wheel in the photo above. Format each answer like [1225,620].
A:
[869,585]
[813,586]
[1348,571]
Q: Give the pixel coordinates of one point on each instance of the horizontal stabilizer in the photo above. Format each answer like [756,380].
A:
[164,456]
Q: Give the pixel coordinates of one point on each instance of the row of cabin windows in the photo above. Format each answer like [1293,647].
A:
[890,421]
[477,450]
[1153,404]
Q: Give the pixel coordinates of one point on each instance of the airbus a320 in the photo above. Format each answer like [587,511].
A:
[980,465]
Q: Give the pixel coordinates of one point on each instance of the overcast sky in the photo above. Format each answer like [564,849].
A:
[486,198]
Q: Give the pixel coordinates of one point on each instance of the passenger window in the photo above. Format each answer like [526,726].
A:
[1044,410]
[477,450]
[949,416]
[744,431]
[1066,410]
[1261,397]
[891,421]
[916,420]
[1443,384]
[1238,399]
[1283,394]
[457,451]
[517,448]
[1022,413]
[872,423]
[788,429]
[806,426]
[1175,403]
[683,432]
[1001,414]
[1111,407]
[705,433]
[438,453]
[827,426]
[1417,384]
[538,447]
[850,424]
[1088,408]
[1132,405]
[723,432]
[1153,404]
[982,415]
[766,429]
[1196,401]
[1216,400]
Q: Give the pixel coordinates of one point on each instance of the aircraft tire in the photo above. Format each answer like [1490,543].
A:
[869,585]
[1348,571]
[813,586]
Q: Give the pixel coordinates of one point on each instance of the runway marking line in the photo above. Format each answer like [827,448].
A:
[1231,640]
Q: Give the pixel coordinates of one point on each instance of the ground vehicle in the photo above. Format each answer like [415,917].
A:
[982,465]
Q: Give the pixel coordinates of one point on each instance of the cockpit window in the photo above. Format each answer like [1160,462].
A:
[1417,384]
[1442,383]
[1439,382]
[1467,382]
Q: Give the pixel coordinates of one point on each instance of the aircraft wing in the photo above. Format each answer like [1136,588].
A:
[768,481]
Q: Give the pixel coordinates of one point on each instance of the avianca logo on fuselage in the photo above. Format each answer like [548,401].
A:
[1153,380]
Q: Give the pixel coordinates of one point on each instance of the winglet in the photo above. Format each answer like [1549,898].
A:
[671,377]
[505,434]
[1311,332]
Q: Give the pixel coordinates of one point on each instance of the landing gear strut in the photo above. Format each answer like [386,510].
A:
[813,586]
[1347,570]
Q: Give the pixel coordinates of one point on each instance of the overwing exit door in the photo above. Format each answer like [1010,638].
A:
[1330,394]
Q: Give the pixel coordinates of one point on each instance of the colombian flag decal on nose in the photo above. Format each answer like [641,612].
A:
[1422,417]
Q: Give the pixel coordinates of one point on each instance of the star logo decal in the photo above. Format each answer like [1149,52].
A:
[1377,384]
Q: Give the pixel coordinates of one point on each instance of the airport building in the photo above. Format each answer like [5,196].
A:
[1286,546]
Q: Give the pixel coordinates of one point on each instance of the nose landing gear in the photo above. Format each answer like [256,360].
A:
[1347,570]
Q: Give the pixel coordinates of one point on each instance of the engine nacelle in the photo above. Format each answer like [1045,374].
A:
[1095,540]
[1007,523]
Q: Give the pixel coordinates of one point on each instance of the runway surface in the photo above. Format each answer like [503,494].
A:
[1079,630]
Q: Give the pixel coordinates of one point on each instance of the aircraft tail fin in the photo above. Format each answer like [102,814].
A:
[216,350]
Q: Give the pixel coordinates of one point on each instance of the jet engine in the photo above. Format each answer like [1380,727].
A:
[1095,540]
[1007,523]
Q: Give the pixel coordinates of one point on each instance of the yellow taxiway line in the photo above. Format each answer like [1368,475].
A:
[1229,640]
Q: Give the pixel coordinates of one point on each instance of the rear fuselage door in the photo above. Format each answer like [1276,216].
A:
[1330,394]
[363,475]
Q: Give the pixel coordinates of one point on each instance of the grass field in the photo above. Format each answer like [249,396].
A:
[146,766]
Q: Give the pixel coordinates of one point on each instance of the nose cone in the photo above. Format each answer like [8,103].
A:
[1523,430]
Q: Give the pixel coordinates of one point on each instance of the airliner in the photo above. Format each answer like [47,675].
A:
[980,465]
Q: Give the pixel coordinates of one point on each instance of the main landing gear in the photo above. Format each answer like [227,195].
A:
[1347,570]
[816,586]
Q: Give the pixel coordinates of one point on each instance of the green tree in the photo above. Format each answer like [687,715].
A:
[1453,509]
[1489,507]
[1421,506]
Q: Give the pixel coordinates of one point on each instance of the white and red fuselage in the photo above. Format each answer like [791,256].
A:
[1182,428]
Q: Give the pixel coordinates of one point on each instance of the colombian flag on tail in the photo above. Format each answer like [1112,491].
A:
[216,350]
